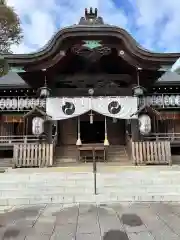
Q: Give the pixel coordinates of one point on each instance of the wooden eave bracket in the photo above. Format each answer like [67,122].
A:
[148,109]
[39,110]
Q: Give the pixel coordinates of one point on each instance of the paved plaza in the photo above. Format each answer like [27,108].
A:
[122,221]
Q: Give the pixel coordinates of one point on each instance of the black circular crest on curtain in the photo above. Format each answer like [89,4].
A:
[114,107]
[68,108]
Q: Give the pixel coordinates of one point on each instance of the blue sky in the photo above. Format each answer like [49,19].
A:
[155,24]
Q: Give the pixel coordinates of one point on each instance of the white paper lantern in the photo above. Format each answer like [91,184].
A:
[144,124]
[159,100]
[2,103]
[20,103]
[154,100]
[37,125]
[177,100]
[14,103]
[8,103]
[166,100]
[172,99]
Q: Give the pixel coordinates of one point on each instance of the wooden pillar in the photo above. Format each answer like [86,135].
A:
[135,130]
[48,131]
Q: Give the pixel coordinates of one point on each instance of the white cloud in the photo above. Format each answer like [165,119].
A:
[38,23]
[155,22]
[41,21]
[158,22]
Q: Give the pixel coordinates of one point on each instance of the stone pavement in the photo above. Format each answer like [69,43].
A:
[120,221]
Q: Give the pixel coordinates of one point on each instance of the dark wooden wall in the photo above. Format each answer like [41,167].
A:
[67,134]
[67,131]
[72,92]
[116,132]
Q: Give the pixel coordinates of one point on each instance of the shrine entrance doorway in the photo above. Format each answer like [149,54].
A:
[92,133]
[92,128]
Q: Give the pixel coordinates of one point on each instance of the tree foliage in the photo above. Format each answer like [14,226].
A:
[10,29]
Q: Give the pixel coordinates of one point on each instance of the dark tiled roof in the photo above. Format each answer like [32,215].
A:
[169,77]
[12,79]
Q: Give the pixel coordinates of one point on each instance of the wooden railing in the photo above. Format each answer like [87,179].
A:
[12,139]
[129,146]
[151,152]
[160,137]
[33,155]
[29,152]
[164,136]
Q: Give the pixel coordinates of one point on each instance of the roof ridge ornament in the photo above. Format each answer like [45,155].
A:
[91,14]
[91,17]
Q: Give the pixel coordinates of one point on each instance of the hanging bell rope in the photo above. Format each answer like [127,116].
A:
[106,142]
[91,115]
[78,142]
[114,120]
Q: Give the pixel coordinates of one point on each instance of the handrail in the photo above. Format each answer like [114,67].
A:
[20,139]
[19,136]
[168,133]
[167,136]
[54,141]
[162,136]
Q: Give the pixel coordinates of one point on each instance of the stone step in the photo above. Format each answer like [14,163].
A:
[116,154]
[5,162]
[176,159]
[116,149]
[148,184]
[73,154]
[65,158]
[23,191]
[68,152]
[59,161]
[99,199]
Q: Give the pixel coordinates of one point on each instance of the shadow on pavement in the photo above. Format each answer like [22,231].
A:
[115,235]
[131,220]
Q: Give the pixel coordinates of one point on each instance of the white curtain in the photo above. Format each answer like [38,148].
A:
[54,107]
[115,107]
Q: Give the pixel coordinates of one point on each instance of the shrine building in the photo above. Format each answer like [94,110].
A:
[91,93]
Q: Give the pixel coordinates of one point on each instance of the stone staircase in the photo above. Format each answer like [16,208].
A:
[117,153]
[175,159]
[65,154]
[5,162]
[69,153]
[24,186]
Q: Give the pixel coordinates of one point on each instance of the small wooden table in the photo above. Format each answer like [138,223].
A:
[92,149]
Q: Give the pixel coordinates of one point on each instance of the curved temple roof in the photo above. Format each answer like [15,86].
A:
[93,24]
